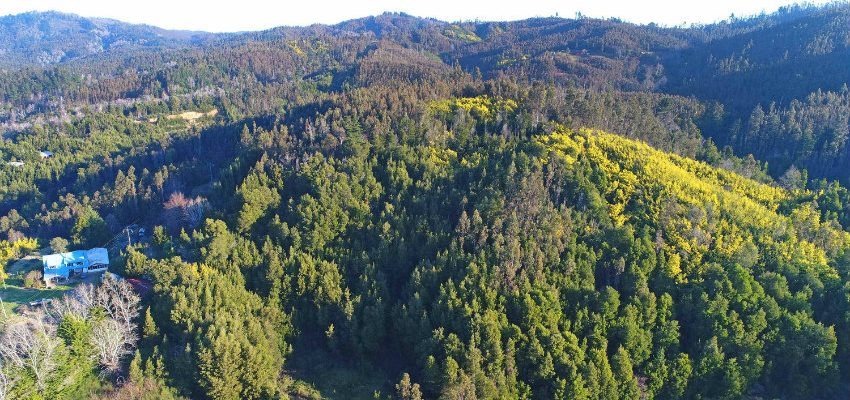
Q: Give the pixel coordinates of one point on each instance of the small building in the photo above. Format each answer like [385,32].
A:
[61,266]
[16,164]
[45,154]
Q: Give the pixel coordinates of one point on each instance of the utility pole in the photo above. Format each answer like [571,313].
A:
[129,241]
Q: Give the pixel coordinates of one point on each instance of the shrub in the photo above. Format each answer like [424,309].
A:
[33,279]
[59,245]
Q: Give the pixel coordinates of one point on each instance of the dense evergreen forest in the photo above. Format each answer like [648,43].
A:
[404,208]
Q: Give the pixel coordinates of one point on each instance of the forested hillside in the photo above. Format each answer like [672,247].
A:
[45,39]
[405,208]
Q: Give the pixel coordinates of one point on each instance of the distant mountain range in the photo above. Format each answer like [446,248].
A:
[599,53]
[47,38]
[731,67]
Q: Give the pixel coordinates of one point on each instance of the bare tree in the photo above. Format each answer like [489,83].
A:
[121,304]
[116,336]
[110,342]
[31,344]
[184,212]
[78,303]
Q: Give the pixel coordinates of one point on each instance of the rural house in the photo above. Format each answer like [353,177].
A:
[62,266]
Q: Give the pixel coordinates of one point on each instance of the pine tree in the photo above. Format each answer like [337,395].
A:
[601,380]
[135,373]
[149,329]
[627,383]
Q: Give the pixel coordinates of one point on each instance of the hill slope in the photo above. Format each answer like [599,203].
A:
[47,38]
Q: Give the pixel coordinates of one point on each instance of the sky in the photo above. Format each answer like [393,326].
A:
[245,15]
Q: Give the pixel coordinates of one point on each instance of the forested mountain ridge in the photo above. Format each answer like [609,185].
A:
[404,208]
[800,56]
[732,67]
[48,38]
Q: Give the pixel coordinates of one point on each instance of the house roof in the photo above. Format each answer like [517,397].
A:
[97,255]
[59,260]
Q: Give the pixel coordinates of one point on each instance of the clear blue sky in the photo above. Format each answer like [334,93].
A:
[239,15]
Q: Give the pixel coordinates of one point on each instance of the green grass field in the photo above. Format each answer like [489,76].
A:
[13,293]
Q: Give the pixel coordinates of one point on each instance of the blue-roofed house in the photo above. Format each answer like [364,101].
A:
[61,266]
